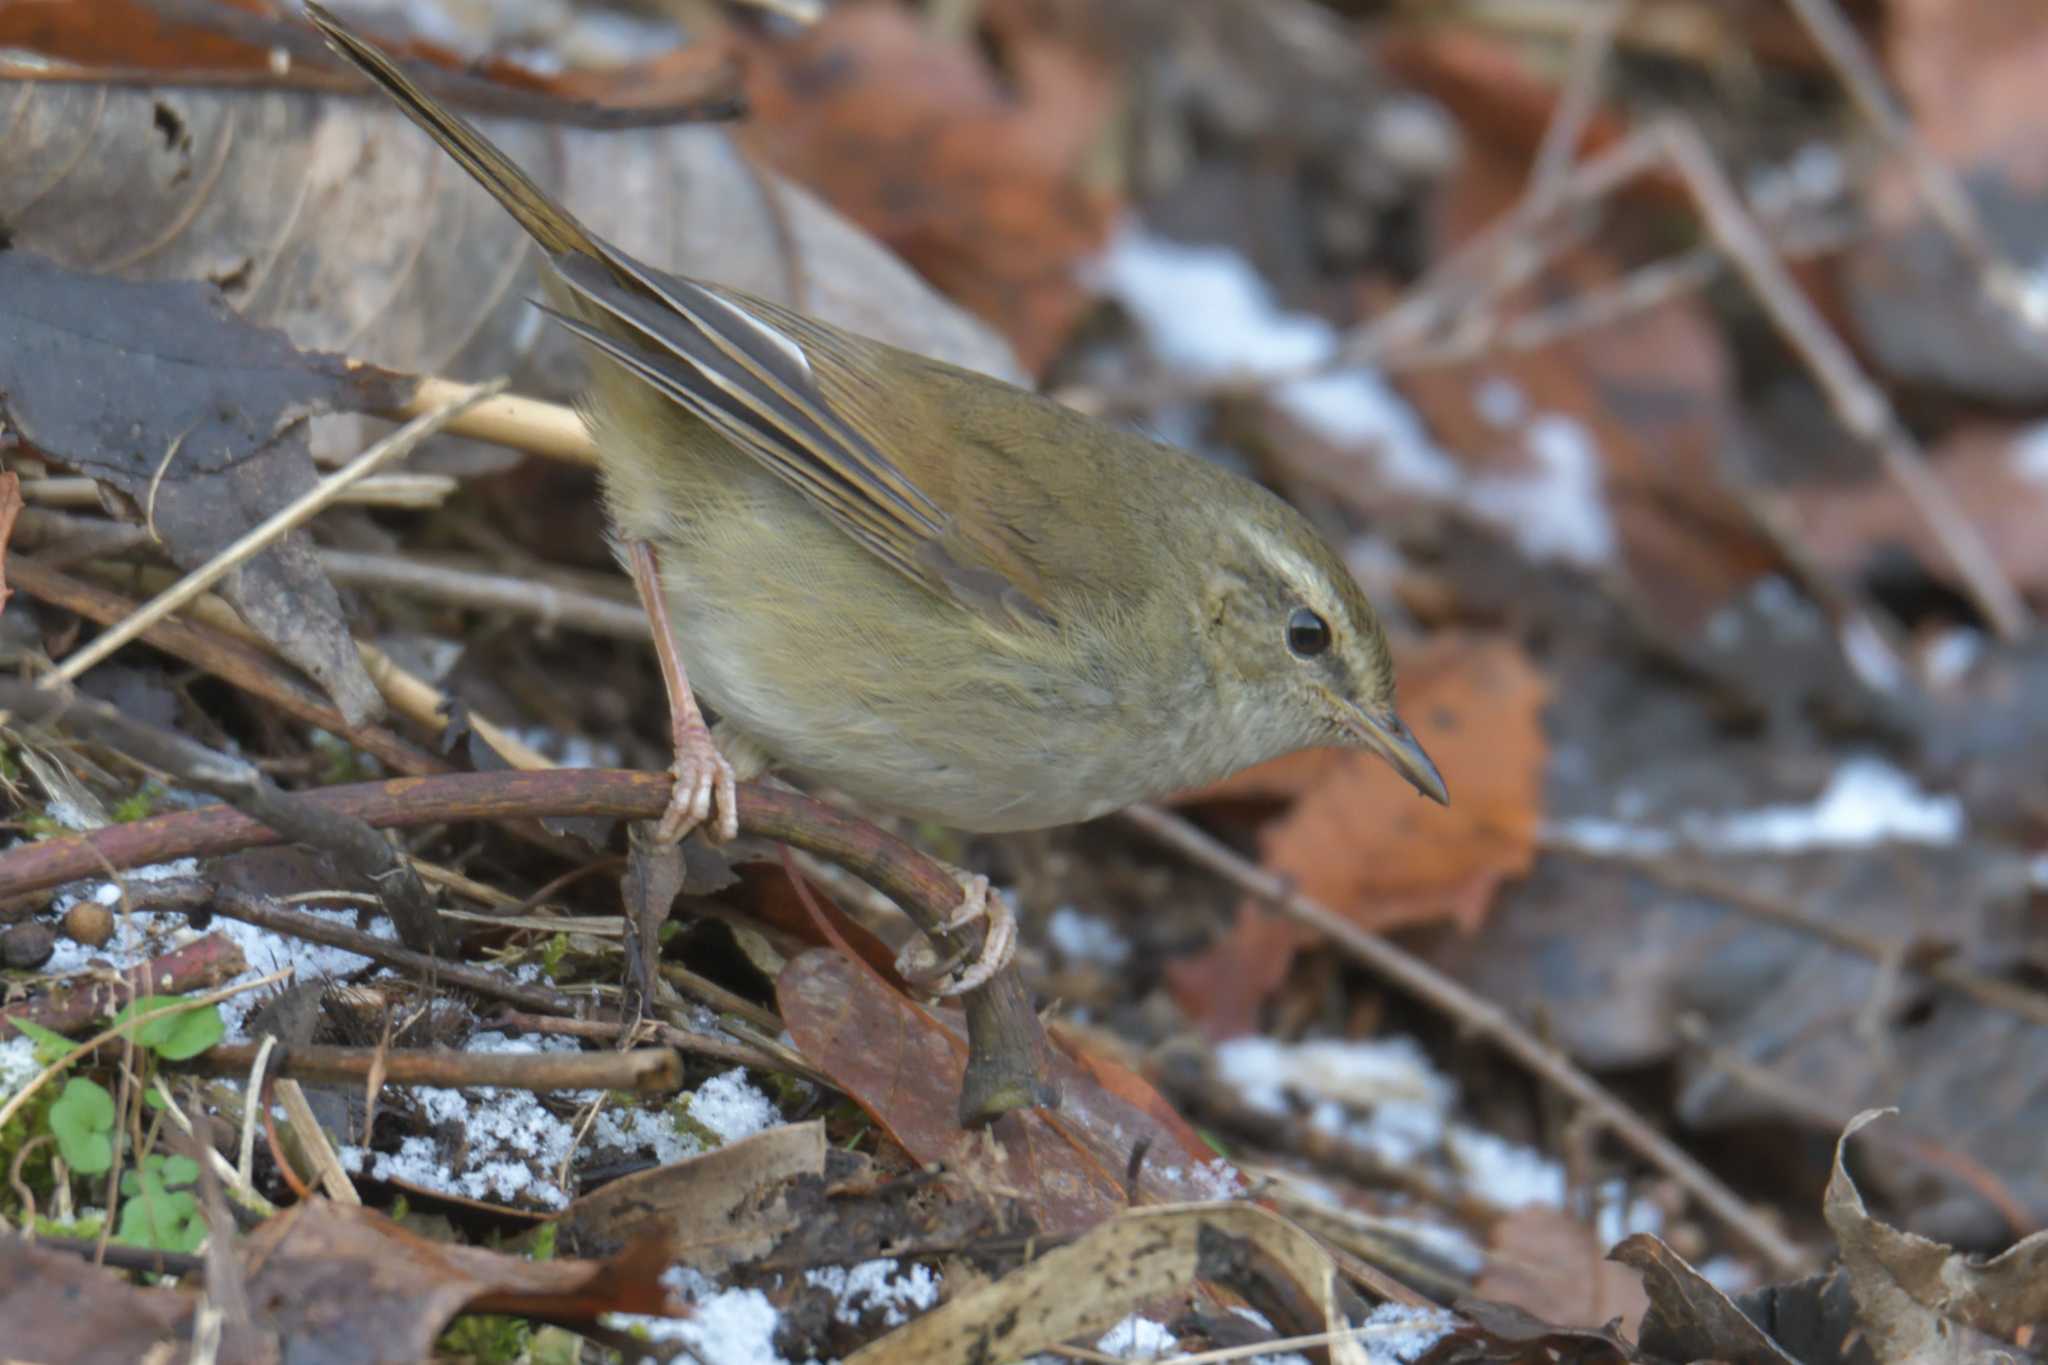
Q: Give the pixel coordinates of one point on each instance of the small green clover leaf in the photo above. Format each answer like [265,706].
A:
[83,1120]
[174,1037]
[157,1215]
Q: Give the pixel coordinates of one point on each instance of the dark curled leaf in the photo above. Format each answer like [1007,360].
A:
[1689,1319]
[120,381]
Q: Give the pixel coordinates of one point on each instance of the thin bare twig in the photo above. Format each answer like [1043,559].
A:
[549,604]
[1988,991]
[1592,45]
[505,419]
[415,491]
[250,908]
[1859,404]
[2003,283]
[360,850]
[294,514]
[1007,1051]
[226,657]
[654,1070]
[1484,1018]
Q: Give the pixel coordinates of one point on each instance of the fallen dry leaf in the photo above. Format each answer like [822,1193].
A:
[41,1291]
[197,419]
[1998,474]
[715,1210]
[1221,988]
[321,1272]
[1918,1299]
[1550,1264]
[1917,300]
[1687,1318]
[1134,1258]
[1363,843]
[979,183]
[904,1067]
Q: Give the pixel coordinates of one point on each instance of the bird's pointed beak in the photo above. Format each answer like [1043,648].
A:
[1391,740]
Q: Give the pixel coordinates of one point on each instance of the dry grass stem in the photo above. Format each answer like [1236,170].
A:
[301,510]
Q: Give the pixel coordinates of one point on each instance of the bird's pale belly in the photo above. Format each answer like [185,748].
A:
[986,757]
[1070,768]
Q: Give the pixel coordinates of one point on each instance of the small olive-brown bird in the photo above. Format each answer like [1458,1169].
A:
[936,592]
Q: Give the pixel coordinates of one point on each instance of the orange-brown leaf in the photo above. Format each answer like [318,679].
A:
[1362,842]
[984,188]
[902,1065]
[1221,988]
[1545,1262]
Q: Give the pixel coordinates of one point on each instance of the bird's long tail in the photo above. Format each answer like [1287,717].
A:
[553,226]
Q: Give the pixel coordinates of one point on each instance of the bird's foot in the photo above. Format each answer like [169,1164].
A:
[704,792]
[920,964]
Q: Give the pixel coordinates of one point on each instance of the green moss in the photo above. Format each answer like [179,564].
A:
[139,804]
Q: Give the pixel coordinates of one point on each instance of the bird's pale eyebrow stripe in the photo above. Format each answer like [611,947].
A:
[1285,561]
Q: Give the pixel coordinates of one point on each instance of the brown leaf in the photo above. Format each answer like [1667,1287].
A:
[904,1067]
[206,41]
[1222,987]
[1362,842]
[320,1272]
[10,508]
[1550,1264]
[1998,473]
[1131,1260]
[714,1210]
[1918,302]
[1914,1295]
[198,419]
[1687,1318]
[42,1292]
[911,135]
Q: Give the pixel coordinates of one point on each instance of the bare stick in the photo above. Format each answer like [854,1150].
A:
[381,490]
[1858,403]
[252,909]
[306,1128]
[1580,96]
[654,1069]
[296,513]
[1951,205]
[1988,991]
[245,667]
[549,604]
[356,847]
[1007,1050]
[1483,1018]
[505,419]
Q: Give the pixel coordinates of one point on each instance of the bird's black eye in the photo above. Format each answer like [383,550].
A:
[1307,633]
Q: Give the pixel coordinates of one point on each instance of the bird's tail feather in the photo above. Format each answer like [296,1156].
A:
[553,226]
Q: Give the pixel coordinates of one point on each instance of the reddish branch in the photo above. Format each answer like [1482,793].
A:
[1007,1050]
[81,1001]
[654,1070]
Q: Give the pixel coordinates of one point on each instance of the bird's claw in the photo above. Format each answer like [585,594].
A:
[704,793]
[919,964]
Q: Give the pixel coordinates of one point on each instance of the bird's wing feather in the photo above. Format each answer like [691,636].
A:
[753,382]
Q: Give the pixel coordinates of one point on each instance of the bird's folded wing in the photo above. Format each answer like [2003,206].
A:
[753,383]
